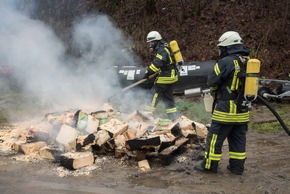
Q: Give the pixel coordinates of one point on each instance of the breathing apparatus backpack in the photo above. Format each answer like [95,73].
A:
[249,75]
[176,52]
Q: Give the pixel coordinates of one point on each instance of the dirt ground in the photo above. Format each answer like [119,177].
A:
[267,171]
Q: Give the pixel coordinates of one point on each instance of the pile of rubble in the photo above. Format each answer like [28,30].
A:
[75,138]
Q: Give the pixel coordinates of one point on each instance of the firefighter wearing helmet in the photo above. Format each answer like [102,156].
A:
[230,114]
[163,63]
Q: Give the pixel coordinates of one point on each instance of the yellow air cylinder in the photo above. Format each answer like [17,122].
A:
[252,76]
[177,54]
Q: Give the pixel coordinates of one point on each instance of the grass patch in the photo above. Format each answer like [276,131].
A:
[273,124]
[194,109]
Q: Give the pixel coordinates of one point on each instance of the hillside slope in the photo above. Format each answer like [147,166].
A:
[196,25]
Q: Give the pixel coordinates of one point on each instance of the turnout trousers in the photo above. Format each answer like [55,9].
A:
[163,92]
[236,135]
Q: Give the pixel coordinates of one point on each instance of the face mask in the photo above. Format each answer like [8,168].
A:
[151,44]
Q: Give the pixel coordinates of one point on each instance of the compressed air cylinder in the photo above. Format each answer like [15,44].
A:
[251,82]
[177,54]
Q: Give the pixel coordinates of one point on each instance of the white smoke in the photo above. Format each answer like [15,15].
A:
[43,70]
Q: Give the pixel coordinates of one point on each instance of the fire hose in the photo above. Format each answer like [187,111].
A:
[265,102]
[133,85]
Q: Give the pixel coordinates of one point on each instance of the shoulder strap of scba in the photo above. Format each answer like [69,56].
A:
[250,70]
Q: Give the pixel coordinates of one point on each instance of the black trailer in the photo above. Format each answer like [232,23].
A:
[191,75]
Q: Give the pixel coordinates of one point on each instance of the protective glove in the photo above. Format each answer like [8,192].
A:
[213,91]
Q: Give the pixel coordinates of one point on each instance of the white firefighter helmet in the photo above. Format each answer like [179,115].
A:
[153,35]
[230,38]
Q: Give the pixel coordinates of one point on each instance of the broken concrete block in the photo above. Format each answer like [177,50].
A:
[28,148]
[115,127]
[144,165]
[52,153]
[93,124]
[76,160]
[66,134]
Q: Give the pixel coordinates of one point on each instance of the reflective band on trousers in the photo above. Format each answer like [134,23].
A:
[238,155]
[171,110]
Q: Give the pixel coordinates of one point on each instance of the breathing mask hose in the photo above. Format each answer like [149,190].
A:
[265,102]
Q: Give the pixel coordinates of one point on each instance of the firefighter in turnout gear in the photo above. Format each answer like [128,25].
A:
[163,62]
[230,115]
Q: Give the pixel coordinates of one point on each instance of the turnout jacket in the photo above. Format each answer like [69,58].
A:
[230,106]
[163,62]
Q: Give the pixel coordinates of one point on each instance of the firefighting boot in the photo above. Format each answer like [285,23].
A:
[200,167]
[234,171]
[172,116]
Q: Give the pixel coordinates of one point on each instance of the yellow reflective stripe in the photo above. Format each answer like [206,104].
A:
[171,110]
[153,103]
[159,56]
[150,109]
[211,150]
[217,69]
[153,67]
[237,155]
[166,49]
[168,80]
[234,85]
[230,117]
[215,157]
[233,107]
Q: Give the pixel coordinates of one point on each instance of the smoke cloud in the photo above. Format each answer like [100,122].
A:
[50,78]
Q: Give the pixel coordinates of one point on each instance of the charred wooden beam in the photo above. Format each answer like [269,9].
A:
[167,154]
[140,143]
[76,160]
